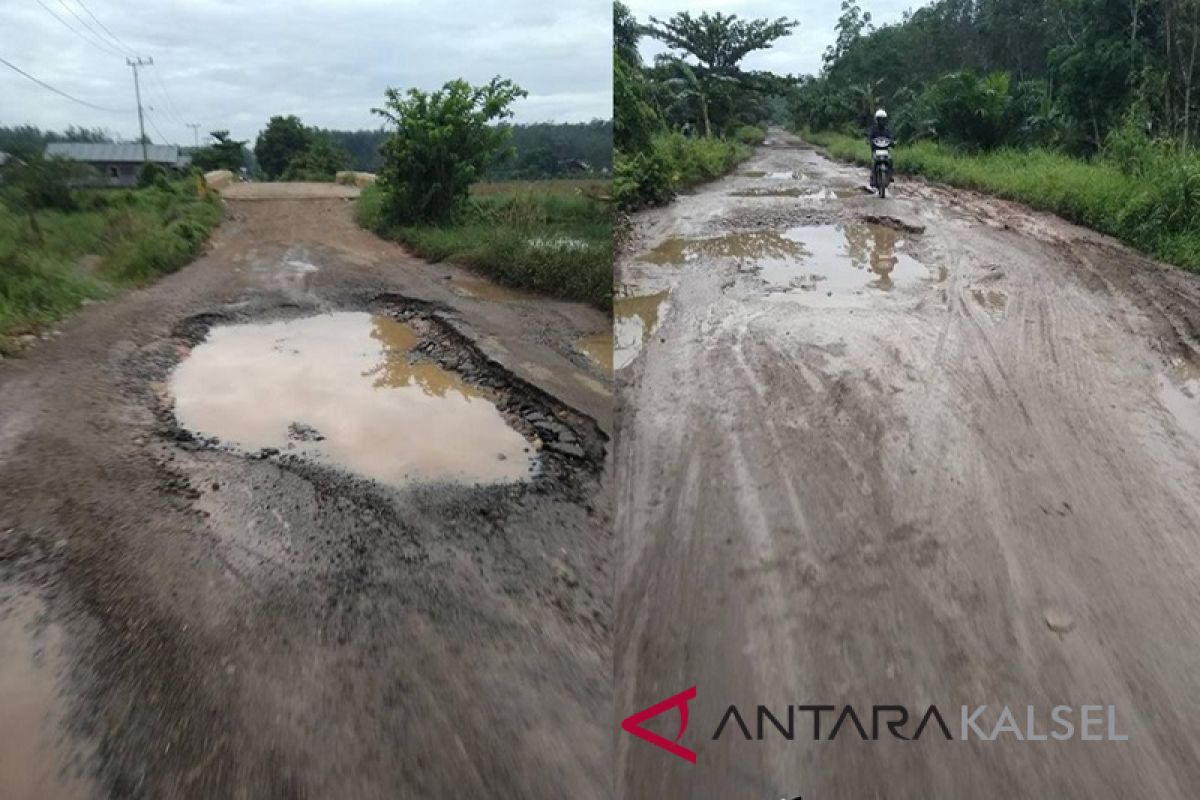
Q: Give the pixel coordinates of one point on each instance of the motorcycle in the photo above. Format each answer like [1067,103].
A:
[881,167]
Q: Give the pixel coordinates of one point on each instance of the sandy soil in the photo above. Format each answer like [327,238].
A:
[891,496]
[185,621]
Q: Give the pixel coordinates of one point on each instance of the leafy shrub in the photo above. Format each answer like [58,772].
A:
[34,183]
[320,162]
[750,135]
[442,143]
[152,174]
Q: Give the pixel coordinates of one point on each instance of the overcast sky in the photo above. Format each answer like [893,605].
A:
[797,54]
[234,63]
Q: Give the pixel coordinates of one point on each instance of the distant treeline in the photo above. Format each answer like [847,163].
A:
[543,149]
[32,139]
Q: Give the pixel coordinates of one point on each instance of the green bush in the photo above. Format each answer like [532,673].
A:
[750,135]
[673,162]
[442,142]
[153,175]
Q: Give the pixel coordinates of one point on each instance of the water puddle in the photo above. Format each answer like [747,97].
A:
[1179,393]
[795,191]
[599,348]
[755,245]
[635,318]
[840,261]
[340,389]
[486,290]
[33,751]
[751,173]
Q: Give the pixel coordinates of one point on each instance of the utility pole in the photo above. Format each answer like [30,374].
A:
[195,126]
[137,91]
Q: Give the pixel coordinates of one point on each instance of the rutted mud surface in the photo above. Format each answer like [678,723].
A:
[968,478]
[241,622]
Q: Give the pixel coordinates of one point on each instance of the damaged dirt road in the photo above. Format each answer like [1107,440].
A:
[189,608]
[935,449]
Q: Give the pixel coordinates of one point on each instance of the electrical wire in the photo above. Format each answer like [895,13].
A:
[101,47]
[170,108]
[154,127]
[45,85]
[89,28]
[104,27]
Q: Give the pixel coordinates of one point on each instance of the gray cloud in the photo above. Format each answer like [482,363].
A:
[228,64]
[799,53]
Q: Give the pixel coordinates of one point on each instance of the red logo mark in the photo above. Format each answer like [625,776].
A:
[633,724]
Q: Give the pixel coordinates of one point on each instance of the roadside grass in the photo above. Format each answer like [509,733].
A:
[560,186]
[553,237]
[116,239]
[674,162]
[1153,209]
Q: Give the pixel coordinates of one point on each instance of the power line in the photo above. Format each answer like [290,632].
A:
[154,128]
[103,48]
[85,24]
[43,84]
[171,109]
[104,27]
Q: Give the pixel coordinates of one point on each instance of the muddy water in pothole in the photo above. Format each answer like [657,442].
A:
[815,263]
[841,261]
[1179,394]
[34,756]
[340,389]
[752,245]
[635,318]
[599,348]
[486,290]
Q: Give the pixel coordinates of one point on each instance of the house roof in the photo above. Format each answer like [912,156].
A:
[119,153]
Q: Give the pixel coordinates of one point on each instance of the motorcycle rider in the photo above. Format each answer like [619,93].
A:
[878,130]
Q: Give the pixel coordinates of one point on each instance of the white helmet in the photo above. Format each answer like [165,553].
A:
[881,114]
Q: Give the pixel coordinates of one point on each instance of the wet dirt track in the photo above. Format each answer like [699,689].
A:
[188,620]
[853,489]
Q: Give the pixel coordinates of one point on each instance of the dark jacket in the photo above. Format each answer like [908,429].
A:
[877,130]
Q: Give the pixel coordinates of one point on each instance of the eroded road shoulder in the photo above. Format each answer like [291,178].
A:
[930,449]
[376,564]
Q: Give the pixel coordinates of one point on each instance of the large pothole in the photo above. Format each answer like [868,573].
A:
[390,394]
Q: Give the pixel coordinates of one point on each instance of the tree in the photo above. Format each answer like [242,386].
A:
[283,139]
[441,143]
[222,153]
[634,119]
[715,87]
[719,41]
[320,162]
[626,34]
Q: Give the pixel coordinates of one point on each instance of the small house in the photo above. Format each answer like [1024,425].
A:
[118,164]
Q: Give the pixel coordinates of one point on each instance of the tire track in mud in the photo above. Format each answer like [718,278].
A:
[892,492]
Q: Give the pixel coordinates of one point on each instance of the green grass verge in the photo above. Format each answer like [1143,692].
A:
[116,239]
[1154,210]
[540,238]
[674,162]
